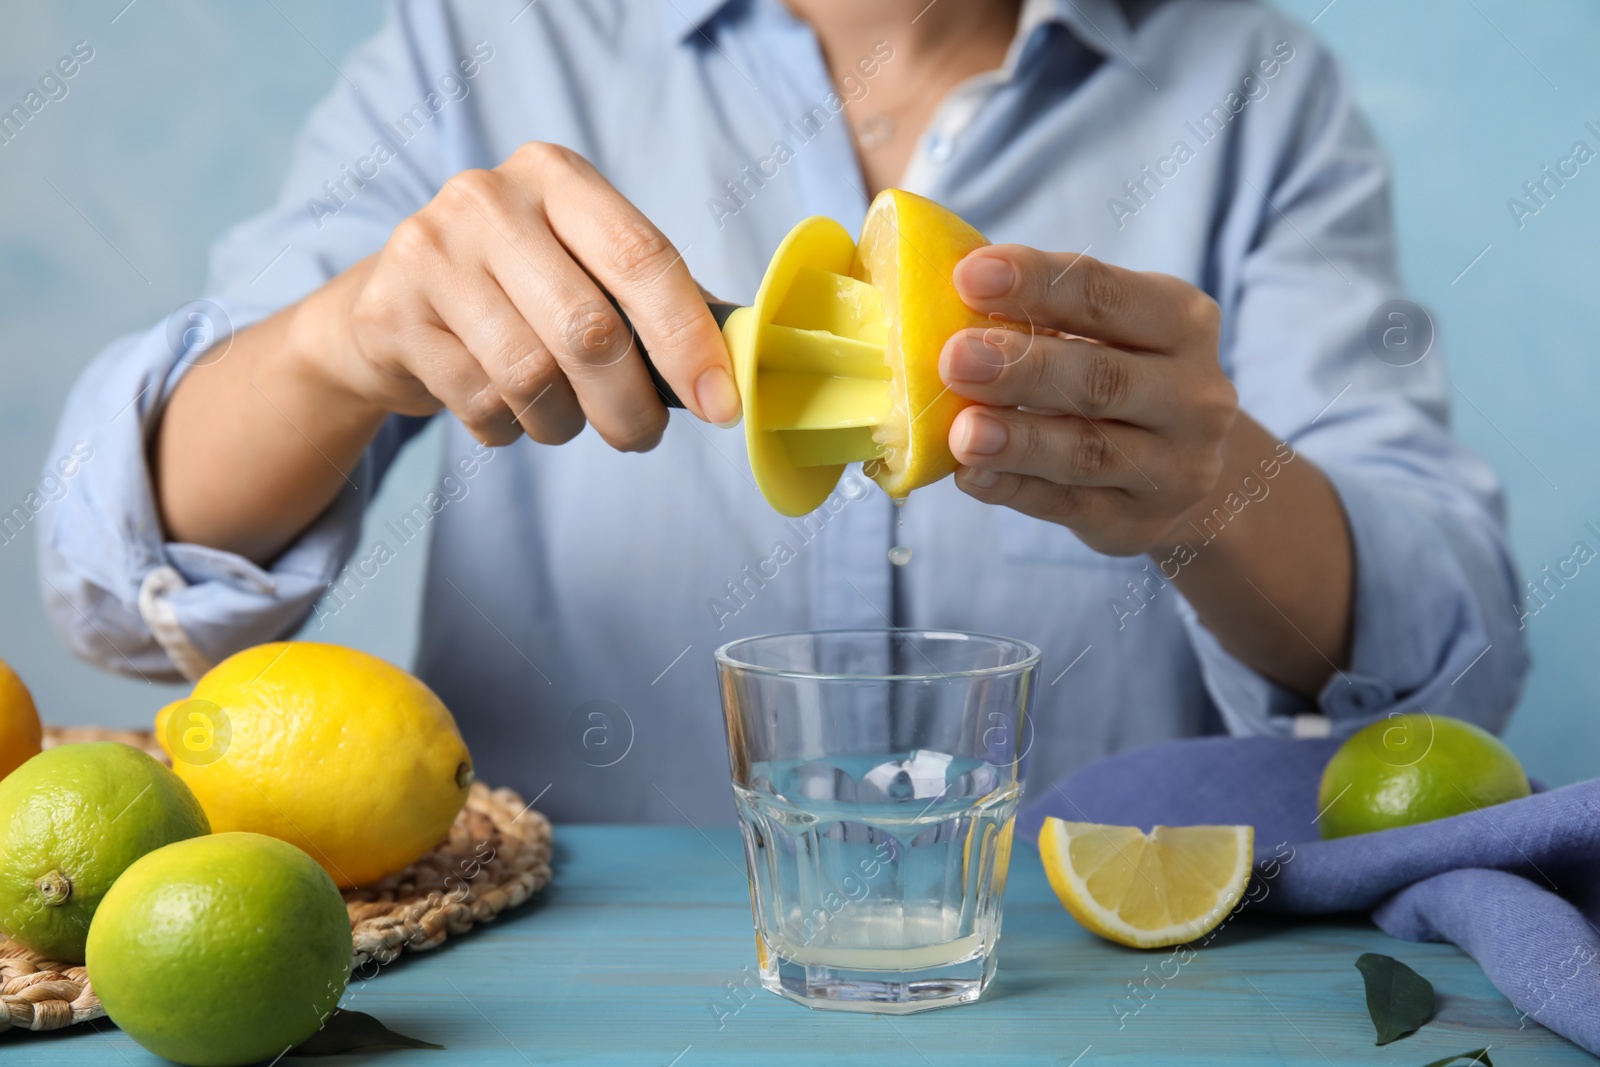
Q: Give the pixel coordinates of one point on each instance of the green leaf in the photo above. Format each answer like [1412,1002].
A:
[1479,1058]
[1399,999]
[354,1031]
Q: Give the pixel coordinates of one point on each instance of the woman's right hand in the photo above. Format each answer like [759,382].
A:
[488,302]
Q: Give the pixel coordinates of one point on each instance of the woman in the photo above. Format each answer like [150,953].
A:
[1203,491]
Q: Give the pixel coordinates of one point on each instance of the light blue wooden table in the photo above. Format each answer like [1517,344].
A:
[642,954]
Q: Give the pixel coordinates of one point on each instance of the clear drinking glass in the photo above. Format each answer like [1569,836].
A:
[877,774]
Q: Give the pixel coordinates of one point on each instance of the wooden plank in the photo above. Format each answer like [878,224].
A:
[642,952]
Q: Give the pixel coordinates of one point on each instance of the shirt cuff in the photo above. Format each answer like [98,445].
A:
[121,595]
[222,602]
[1425,589]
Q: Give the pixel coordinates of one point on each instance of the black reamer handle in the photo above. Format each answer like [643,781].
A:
[720,311]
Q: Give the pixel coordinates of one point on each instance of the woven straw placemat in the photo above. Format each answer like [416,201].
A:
[496,857]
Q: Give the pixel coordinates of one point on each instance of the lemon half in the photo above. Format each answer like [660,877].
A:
[909,249]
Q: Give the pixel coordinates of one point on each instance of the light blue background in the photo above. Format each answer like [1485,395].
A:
[181,123]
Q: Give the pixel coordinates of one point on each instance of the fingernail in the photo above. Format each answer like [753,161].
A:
[985,276]
[967,358]
[979,478]
[718,397]
[982,435]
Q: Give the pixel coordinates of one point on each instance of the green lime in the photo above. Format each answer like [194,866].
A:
[221,950]
[71,820]
[1408,769]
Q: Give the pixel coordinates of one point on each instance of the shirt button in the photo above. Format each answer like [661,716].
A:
[1358,695]
[940,147]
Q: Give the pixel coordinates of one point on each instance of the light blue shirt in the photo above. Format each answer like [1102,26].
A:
[575,594]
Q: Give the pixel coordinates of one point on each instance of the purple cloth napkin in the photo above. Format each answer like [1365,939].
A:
[1516,886]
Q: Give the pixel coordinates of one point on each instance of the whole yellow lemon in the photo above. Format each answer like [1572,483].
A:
[20,733]
[347,757]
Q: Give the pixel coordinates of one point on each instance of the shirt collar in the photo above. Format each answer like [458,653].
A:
[1102,25]
[687,19]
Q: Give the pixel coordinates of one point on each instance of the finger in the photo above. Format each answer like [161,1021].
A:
[1062,374]
[598,355]
[1068,505]
[437,358]
[516,361]
[1063,449]
[1077,294]
[553,415]
[638,265]
[566,310]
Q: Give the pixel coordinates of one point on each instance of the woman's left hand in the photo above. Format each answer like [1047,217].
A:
[1109,416]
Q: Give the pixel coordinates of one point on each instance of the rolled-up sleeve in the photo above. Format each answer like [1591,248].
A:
[1435,620]
[116,590]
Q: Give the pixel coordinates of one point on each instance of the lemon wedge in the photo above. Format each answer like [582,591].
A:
[1152,890]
